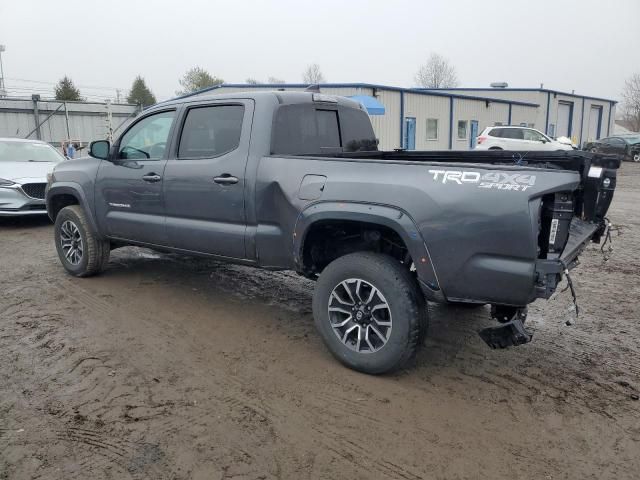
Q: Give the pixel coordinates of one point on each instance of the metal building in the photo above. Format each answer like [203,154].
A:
[581,118]
[55,122]
[421,119]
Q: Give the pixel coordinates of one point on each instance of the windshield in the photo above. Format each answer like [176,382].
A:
[11,151]
[632,140]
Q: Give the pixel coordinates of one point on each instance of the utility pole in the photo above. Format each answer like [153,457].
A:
[3,90]
[66,118]
[117,95]
[109,121]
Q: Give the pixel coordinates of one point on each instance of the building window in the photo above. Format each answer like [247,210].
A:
[462,129]
[432,128]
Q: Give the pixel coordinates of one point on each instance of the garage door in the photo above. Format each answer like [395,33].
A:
[563,124]
[595,120]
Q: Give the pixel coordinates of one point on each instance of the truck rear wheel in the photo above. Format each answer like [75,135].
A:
[370,312]
[80,251]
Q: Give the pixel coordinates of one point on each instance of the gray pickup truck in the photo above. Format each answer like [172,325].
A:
[294,180]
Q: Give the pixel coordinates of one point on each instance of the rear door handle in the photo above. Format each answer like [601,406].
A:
[225,179]
[152,177]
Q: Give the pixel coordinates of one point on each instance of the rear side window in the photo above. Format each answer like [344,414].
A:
[357,132]
[211,131]
[328,129]
[496,132]
[513,133]
[305,129]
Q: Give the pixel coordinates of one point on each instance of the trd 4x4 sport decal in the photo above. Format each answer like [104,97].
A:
[497,180]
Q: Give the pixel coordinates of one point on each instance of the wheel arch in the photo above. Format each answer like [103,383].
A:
[64,194]
[391,219]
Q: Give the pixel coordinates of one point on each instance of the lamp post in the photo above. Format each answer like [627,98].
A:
[3,91]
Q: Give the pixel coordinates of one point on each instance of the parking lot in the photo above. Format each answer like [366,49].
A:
[177,368]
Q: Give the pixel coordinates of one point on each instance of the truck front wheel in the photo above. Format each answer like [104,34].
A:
[80,251]
[369,311]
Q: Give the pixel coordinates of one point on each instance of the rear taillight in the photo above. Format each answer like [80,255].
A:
[481,139]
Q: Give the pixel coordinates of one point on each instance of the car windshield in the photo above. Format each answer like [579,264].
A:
[11,151]
[632,140]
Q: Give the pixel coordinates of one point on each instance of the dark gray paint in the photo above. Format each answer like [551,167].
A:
[466,242]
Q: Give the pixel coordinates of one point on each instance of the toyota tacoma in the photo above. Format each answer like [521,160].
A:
[295,181]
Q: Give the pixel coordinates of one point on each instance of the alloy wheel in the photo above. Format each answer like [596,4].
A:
[71,242]
[360,315]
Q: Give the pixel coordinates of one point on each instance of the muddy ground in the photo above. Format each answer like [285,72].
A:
[172,368]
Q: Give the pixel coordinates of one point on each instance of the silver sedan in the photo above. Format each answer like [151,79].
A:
[24,165]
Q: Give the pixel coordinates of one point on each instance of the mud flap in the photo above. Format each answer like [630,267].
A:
[510,334]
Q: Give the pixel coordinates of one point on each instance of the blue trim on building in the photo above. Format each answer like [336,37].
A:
[581,124]
[509,120]
[417,91]
[557,92]
[401,120]
[451,123]
[546,124]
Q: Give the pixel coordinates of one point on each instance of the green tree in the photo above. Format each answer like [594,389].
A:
[196,79]
[140,93]
[66,90]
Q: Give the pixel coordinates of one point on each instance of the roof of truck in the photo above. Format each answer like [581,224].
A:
[283,97]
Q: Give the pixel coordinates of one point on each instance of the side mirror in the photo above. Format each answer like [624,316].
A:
[100,149]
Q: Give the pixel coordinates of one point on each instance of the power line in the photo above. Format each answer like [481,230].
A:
[92,87]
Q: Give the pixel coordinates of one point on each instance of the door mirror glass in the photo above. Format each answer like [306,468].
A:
[100,149]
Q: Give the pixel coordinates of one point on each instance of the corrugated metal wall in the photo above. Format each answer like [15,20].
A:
[87,121]
[486,115]
[387,126]
[579,131]
[423,107]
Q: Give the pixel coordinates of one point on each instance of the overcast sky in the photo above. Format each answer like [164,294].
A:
[587,46]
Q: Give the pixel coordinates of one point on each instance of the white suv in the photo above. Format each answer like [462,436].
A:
[517,138]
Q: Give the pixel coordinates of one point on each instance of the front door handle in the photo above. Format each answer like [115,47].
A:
[225,179]
[152,177]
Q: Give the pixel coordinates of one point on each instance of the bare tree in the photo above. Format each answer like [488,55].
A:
[275,80]
[631,102]
[251,81]
[437,73]
[313,74]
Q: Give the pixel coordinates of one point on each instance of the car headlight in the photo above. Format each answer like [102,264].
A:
[49,178]
[6,183]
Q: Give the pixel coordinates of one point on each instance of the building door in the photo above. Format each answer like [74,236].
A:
[595,122]
[409,133]
[474,134]
[563,123]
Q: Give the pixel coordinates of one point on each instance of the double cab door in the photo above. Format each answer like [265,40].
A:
[177,179]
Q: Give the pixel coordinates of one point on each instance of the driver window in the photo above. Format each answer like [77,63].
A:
[147,139]
[532,135]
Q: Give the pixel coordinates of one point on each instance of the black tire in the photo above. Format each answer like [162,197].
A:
[94,255]
[405,304]
[495,148]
